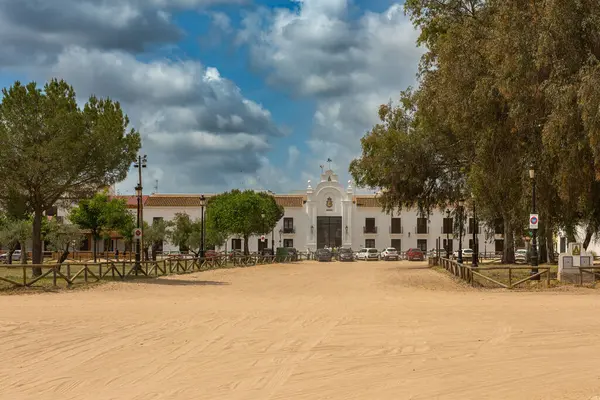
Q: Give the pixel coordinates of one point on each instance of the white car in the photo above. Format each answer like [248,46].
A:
[521,256]
[390,254]
[466,253]
[368,254]
[15,257]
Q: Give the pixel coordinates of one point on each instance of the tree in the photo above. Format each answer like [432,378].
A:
[62,238]
[50,148]
[185,232]
[502,85]
[126,231]
[15,233]
[101,215]
[240,213]
[154,235]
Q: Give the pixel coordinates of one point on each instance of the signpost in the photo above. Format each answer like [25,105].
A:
[533,221]
[137,234]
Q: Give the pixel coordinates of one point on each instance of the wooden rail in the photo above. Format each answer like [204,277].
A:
[468,273]
[95,272]
[594,271]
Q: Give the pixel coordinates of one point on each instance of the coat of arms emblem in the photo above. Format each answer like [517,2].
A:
[329,202]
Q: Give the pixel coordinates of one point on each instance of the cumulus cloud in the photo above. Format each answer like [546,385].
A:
[35,31]
[348,66]
[196,125]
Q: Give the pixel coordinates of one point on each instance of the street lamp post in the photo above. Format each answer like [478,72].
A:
[447,235]
[474,260]
[138,243]
[139,164]
[263,230]
[534,253]
[280,233]
[202,204]
[460,230]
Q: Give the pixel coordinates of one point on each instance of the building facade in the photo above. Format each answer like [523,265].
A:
[326,214]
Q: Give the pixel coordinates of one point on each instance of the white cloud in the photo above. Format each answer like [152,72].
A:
[348,66]
[197,127]
[293,154]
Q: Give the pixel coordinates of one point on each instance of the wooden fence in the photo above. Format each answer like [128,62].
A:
[468,273]
[71,273]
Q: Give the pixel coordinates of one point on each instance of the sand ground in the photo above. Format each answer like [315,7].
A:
[380,330]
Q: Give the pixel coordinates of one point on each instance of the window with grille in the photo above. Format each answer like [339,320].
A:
[422,226]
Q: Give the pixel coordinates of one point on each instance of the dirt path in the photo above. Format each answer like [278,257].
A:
[307,331]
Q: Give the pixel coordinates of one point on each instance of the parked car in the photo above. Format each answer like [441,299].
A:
[415,255]
[521,256]
[15,257]
[390,254]
[372,255]
[345,254]
[466,254]
[323,255]
[361,254]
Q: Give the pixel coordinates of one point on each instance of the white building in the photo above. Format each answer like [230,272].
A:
[326,214]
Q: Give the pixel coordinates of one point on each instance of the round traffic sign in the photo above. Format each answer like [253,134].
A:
[137,233]
[533,220]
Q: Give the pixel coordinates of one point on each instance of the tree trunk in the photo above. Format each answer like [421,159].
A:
[95,246]
[154,251]
[146,253]
[588,237]
[508,253]
[246,250]
[36,243]
[24,257]
[570,231]
[550,244]
[542,249]
[9,256]
[64,255]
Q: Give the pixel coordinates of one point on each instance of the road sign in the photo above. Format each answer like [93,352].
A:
[137,234]
[533,221]
[262,238]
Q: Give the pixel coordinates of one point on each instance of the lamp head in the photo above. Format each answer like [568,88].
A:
[531,171]
[202,201]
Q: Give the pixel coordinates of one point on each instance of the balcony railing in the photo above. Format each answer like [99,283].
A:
[396,231]
[421,230]
[369,229]
[289,229]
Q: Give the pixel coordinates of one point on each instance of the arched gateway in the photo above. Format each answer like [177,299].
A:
[329,210]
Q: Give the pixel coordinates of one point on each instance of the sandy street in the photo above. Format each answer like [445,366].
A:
[380,330]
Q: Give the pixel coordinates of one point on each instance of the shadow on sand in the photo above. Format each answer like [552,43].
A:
[178,282]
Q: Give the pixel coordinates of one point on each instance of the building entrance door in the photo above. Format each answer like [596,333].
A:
[329,232]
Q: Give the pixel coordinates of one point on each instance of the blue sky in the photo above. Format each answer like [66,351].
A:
[226,93]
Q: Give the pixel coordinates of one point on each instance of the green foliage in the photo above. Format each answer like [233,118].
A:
[502,86]
[50,148]
[154,235]
[242,213]
[63,238]
[184,232]
[101,215]
[14,232]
